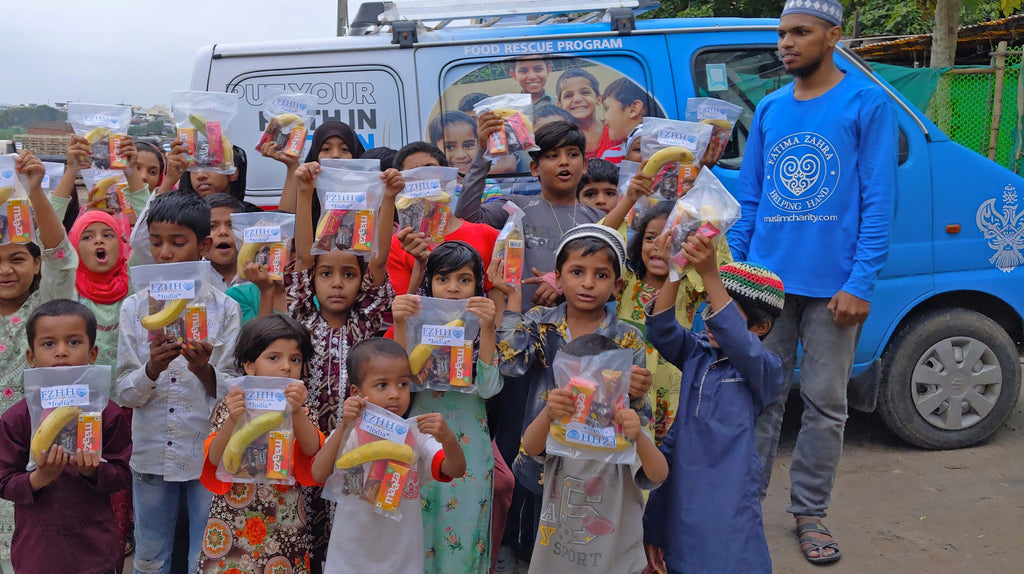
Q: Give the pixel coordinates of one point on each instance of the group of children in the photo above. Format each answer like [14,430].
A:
[67,300]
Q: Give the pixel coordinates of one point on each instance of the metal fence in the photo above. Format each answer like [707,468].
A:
[982,108]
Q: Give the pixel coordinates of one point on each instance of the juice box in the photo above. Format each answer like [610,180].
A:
[216,145]
[362,237]
[296,141]
[462,365]
[497,143]
[276,260]
[519,129]
[279,454]
[90,431]
[438,224]
[117,161]
[582,395]
[195,323]
[19,221]
[514,261]
[188,139]
[392,486]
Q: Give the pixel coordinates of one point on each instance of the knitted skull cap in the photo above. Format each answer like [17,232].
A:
[596,231]
[830,11]
[751,284]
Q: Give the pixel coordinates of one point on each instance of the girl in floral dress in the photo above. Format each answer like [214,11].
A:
[22,288]
[262,527]
[342,300]
[457,514]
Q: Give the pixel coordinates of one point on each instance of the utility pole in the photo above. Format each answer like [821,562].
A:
[342,17]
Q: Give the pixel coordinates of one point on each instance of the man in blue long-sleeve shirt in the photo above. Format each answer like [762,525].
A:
[817,187]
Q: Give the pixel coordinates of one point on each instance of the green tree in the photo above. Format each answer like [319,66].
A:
[719,8]
[25,116]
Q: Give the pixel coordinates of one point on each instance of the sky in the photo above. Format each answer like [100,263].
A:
[136,51]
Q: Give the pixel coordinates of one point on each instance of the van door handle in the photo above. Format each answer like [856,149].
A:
[953,228]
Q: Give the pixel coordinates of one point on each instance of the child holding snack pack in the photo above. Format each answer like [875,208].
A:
[607,538]
[25,263]
[727,376]
[341,299]
[65,524]
[223,253]
[589,264]
[274,532]
[457,537]
[172,385]
[362,540]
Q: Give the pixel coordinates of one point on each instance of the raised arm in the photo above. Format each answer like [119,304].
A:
[51,230]
[393,184]
[305,176]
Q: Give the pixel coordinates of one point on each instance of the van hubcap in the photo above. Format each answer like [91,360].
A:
[956,383]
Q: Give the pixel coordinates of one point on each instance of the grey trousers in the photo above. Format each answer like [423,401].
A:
[824,373]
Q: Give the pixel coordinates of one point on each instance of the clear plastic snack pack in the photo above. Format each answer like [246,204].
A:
[16,219]
[109,185]
[202,119]
[65,405]
[54,173]
[349,202]
[510,244]
[426,204]
[375,461]
[104,126]
[600,387]
[673,151]
[517,112]
[709,209]
[287,117]
[178,294]
[263,238]
[262,444]
[440,342]
[721,116]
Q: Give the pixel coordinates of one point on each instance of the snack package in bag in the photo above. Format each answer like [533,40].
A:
[627,169]
[263,238]
[262,444]
[510,244]
[440,342]
[104,126]
[721,116]
[709,209]
[350,201]
[600,387]
[178,296]
[65,405]
[287,117]
[673,150]
[375,462]
[517,112]
[16,219]
[54,173]
[202,119]
[107,189]
[425,204]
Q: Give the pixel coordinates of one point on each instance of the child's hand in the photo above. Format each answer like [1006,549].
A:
[235,403]
[394,183]
[32,168]
[639,185]
[306,176]
[630,422]
[546,293]
[177,160]
[296,394]
[640,381]
[274,151]
[87,462]
[404,306]
[661,247]
[488,123]
[51,463]
[700,251]
[352,409]
[496,275]
[126,149]
[162,350]
[79,153]
[560,404]
[197,353]
[433,424]
[259,276]
[484,308]
[99,204]
[414,244]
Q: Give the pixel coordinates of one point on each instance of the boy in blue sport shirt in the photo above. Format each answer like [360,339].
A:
[707,516]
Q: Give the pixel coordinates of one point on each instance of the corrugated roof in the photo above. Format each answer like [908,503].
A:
[969,38]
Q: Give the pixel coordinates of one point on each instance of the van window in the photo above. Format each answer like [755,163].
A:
[743,76]
[568,88]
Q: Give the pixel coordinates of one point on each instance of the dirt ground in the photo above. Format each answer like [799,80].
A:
[897,508]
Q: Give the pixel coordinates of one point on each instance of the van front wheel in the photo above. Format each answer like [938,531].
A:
[949,380]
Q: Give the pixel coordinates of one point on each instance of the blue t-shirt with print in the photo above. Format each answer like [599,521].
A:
[817,188]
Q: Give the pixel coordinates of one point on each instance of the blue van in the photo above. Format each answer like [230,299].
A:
[938,355]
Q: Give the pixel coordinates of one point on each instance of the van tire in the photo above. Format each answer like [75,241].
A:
[925,369]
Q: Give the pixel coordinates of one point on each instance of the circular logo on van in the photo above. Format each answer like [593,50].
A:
[802,172]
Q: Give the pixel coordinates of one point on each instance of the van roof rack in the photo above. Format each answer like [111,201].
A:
[400,14]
